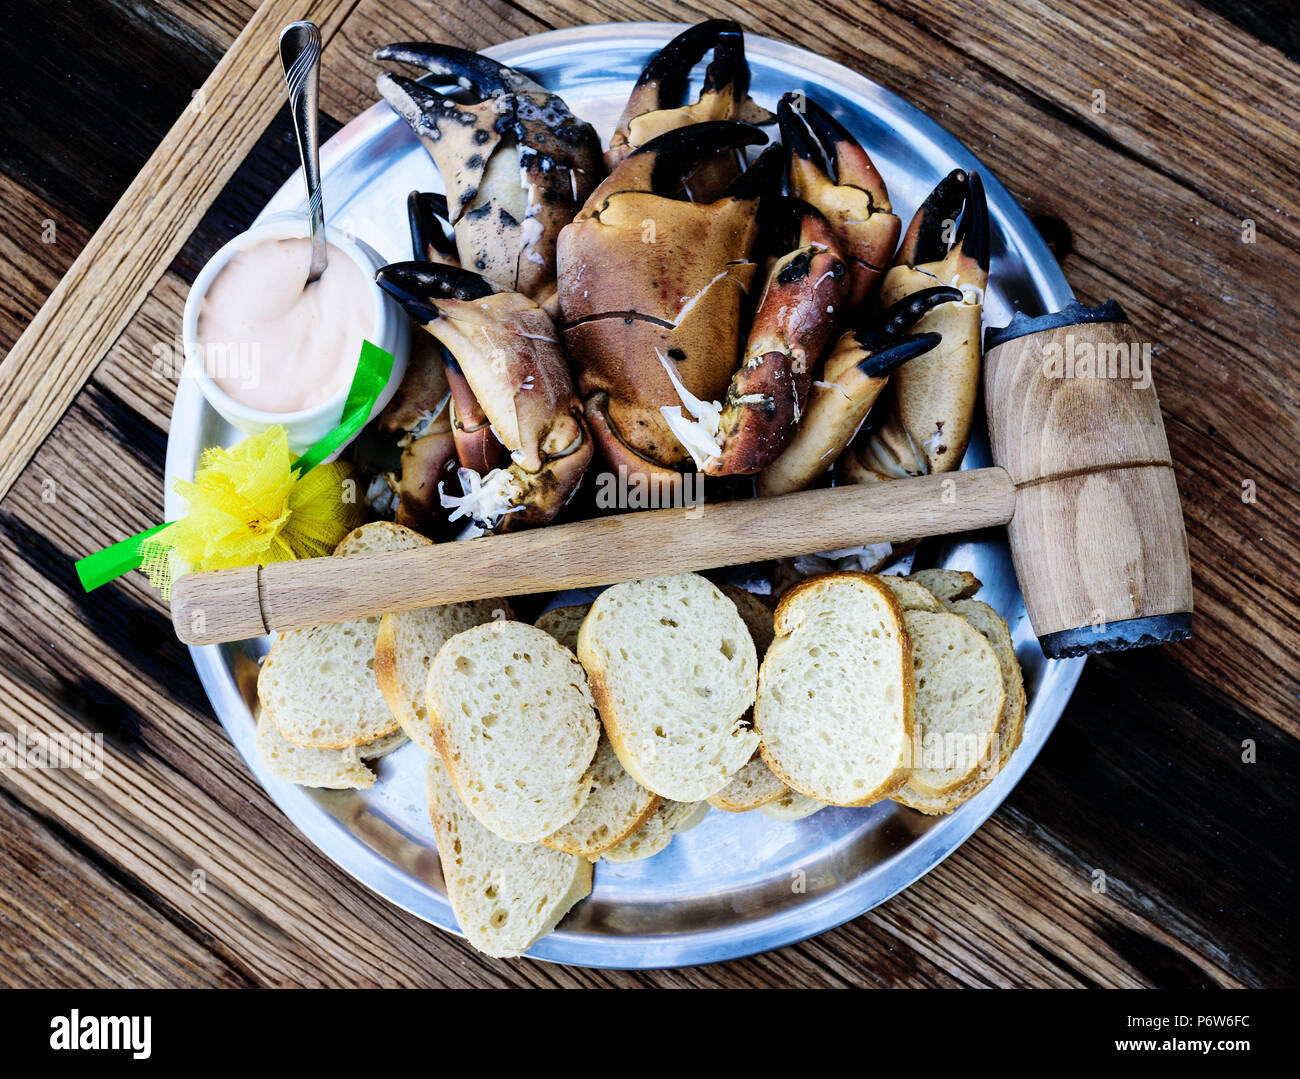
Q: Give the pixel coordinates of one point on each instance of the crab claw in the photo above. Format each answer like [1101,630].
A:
[795,322]
[516,162]
[929,424]
[657,103]
[831,170]
[857,369]
[509,353]
[651,289]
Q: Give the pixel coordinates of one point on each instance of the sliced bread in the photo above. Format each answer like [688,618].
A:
[791,806]
[947,585]
[959,699]
[563,623]
[1011,723]
[753,786]
[618,805]
[505,895]
[379,536]
[834,710]
[668,819]
[514,722]
[404,650]
[336,769]
[318,685]
[673,671]
[910,595]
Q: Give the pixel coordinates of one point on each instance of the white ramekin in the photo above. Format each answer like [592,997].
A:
[391,332]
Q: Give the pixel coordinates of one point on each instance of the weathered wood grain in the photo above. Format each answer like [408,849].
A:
[37,245]
[67,922]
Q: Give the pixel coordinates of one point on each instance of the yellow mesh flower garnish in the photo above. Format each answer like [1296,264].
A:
[247,506]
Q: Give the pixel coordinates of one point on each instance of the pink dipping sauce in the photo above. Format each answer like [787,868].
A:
[272,342]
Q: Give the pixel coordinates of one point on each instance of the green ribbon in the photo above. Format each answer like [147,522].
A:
[374,368]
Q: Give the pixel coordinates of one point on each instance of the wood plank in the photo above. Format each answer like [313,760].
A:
[37,245]
[111,277]
[1193,97]
[66,923]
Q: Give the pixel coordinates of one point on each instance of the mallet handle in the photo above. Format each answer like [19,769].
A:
[229,605]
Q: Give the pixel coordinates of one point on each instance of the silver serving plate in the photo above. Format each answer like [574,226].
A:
[738,883]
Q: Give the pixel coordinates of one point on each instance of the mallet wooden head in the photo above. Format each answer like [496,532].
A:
[1097,536]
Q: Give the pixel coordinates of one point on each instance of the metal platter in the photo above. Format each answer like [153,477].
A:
[726,888]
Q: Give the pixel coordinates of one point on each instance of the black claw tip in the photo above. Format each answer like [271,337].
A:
[453,64]
[679,151]
[763,177]
[425,213]
[671,66]
[901,316]
[418,286]
[897,352]
[795,132]
[829,131]
[941,207]
[424,98]
[975,222]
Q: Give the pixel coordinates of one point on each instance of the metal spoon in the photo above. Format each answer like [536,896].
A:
[300,49]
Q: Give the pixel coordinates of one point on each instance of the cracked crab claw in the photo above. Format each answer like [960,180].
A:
[651,290]
[658,100]
[830,169]
[857,369]
[516,162]
[795,321]
[508,350]
[929,423]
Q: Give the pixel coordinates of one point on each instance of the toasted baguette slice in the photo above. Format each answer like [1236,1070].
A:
[404,650]
[318,685]
[947,585]
[563,623]
[336,769]
[1011,726]
[668,819]
[514,722]
[910,595]
[618,805]
[753,786]
[791,806]
[382,747]
[959,699]
[505,895]
[1011,723]
[834,708]
[673,671]
[756,615]
[378,536]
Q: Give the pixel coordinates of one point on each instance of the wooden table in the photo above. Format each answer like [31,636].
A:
[1153,843]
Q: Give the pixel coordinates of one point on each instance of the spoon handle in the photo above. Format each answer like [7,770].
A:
[300,50]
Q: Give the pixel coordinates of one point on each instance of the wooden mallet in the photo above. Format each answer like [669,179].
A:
[1083,482]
